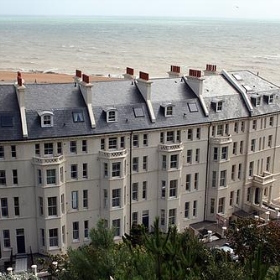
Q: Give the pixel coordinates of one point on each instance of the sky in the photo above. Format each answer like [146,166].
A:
[248,9]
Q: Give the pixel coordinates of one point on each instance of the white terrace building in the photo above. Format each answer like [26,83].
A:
[184,148]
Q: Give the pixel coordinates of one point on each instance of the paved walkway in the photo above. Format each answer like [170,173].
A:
[21,265]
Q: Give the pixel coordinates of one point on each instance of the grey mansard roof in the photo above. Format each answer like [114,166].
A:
[9,107]
[261,87]
[124,96]
[216,87]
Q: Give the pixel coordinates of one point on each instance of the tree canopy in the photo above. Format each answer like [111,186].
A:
[174,255]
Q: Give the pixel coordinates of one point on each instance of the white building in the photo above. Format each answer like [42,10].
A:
[183,148]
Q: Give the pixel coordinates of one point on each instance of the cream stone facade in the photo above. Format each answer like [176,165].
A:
[185,149]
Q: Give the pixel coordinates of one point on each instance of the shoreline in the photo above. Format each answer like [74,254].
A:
[49,77]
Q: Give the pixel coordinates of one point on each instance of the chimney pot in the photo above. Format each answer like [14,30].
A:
[211,67]
[175,69]
[86,78]
[195,73]
[19,81]
[129,71]
[79,73]
[144,76]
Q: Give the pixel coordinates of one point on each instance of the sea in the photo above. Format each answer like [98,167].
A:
[107,45]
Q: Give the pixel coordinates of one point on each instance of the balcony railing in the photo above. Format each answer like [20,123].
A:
[219,140]
[263,180]
[113,154]
[48,160]
[170,147]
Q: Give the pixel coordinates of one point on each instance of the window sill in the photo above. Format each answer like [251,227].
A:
[52,248]
[76,241]
[7,249]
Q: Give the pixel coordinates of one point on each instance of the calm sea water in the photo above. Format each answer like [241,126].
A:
[107,45]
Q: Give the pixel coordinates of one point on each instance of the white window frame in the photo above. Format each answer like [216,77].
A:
[172,216]
[223,178]
[116,169]
[46,118]
[135,191]
[75,200]
[174,161]
[75,231]
[51,176]
[53,237]
[111,115]
[173,188]
[52,206]
[116,198]
[116,225]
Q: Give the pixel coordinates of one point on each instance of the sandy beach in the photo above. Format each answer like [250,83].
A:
[38,77]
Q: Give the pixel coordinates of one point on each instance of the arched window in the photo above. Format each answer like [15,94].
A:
[46,118]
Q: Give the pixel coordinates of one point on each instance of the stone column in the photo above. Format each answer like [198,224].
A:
[267,213]
[224,229]
[269,194]
[9,270]
[209,236]
[261,197]
[34,269]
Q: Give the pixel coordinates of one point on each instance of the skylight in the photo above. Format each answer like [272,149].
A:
[248,88]
[78,117]
[237,77]
[192,107]
[138,112]
[7,121]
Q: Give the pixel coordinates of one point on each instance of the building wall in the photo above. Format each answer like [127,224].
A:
[105,177]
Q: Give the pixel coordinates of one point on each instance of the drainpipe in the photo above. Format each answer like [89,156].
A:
[245,168]
[207,172]
[275,138]
[130,181]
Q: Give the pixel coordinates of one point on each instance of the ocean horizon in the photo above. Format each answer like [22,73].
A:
[103,45]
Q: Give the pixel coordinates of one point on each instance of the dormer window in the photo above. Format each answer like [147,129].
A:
[217,105]
[168,109]
[78,116]
[256,100]
[111,115]
[269,98]
[46,118]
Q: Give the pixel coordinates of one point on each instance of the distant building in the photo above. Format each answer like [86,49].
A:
[184,148]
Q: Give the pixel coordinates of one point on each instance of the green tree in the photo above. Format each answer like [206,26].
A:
[249,234]
[170,255]
[95,261]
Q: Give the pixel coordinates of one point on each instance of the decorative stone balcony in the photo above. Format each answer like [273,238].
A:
[113,154]
[170,147]
[49,160]
[263,180]
[220,140]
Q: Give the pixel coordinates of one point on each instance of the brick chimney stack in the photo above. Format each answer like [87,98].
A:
[86,89]
[195,81]
[78,77]
[211,69]
[85,79]
[145,87]
[175,71]
[129,75]
[20,90]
